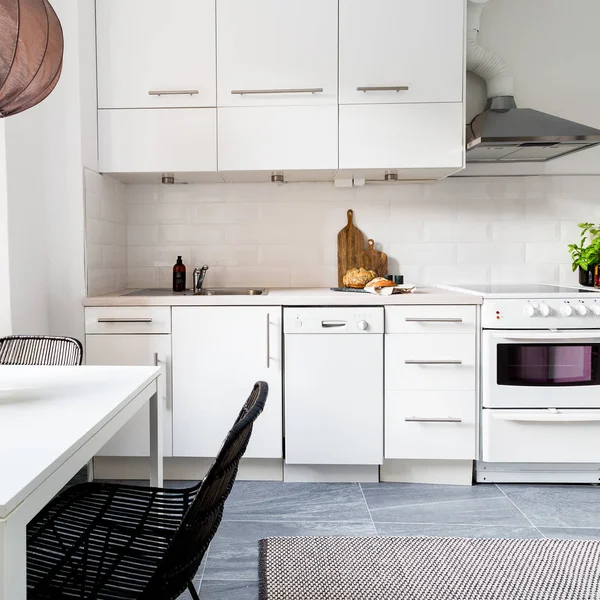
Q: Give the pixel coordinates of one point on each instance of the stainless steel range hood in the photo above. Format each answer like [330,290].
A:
[510,135]
[503,133]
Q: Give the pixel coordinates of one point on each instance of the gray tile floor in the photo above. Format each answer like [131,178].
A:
[261,509]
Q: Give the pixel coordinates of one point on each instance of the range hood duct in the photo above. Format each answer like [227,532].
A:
[503,133]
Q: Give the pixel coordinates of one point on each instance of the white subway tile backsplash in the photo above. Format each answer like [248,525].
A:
[423,254]
[460,230]
[491,254]
[525,273]
[444,231]
[288,255]
[555,253]
[191,234]
[526,231]
[567,276]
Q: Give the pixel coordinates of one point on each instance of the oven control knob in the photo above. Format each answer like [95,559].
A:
[362,325]
[544,310]
[566,310]
[596,309]
[581,310]
[530,310]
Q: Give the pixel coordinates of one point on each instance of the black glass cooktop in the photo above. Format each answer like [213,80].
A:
[527,288]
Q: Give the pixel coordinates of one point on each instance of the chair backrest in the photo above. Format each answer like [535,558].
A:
[204,514]
[40,350]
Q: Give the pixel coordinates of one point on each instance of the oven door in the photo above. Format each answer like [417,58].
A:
[541,369]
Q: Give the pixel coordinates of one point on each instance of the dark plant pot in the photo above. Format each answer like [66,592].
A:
[587,277]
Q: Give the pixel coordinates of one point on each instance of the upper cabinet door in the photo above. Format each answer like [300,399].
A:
[282,52]
[153,53]
[415,47]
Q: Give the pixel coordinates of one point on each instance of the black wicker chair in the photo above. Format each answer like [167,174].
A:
[101,541]
[40,350]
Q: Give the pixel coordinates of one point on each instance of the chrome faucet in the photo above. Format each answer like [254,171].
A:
[198,280]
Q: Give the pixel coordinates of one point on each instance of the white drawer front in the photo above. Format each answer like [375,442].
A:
[128,319]
[430,425]
[539,436]
[430,362]
[430,319]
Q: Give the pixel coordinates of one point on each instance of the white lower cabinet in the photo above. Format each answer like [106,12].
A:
[218,355]
[431,383]
[430,425]
[135,350]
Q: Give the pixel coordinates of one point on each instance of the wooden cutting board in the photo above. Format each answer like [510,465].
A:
[375,260]
[351,248]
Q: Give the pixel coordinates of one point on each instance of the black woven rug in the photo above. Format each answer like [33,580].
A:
[427,568]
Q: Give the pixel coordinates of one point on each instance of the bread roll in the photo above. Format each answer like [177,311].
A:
[380,282]
[358,278]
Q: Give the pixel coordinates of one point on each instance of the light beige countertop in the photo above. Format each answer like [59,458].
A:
[287,297]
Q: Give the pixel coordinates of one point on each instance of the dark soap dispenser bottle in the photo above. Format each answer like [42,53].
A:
[179,276]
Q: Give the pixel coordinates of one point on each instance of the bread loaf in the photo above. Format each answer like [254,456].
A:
[380,282]
[358,278]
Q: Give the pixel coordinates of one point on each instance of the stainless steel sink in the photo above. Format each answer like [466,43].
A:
[237,291]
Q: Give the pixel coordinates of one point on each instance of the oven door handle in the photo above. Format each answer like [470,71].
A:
[547,416]
[561,336]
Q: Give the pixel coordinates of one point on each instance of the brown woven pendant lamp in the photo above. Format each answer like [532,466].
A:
[31,51]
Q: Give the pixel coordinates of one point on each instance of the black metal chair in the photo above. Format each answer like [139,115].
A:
[101,541]
[40,350]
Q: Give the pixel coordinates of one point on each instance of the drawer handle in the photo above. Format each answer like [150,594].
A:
[173,92]
[433,362]
[547,417]
[383,88]
[125,320]
[433,420]
[433,320]
[282,91]
[329,324]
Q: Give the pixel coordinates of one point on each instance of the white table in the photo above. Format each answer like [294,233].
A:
[53,420]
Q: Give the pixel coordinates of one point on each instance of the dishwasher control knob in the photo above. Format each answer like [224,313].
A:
[544,310]
[581,310]
[596,309]
[566,310]
[530,310]
[362,325]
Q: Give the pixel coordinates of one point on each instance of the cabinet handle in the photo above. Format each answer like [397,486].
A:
[433,420]
[383,88]
[433,362]
[282,91]
[268,342]
[433,320]
[156,361]
[173,92]
[124,320]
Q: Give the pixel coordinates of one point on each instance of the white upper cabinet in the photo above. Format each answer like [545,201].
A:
[415,47]
[150,46]
[282,52]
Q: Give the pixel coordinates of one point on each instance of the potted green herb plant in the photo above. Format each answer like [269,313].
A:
[586,254]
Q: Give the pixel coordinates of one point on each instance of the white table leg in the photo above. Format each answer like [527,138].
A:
[13,559]
[156,442]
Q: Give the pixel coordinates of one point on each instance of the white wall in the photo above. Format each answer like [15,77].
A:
[553,49]
[45,198]
[461,230]
[5,311]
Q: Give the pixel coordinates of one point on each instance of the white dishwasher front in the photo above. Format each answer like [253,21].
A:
[334,385]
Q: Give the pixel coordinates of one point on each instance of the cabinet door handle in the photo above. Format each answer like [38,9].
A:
[173,92]
[433,362]
[268,341]
[281,91]
[433,320]
[156,361]
[433,419]
[125,320]
[383,88]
